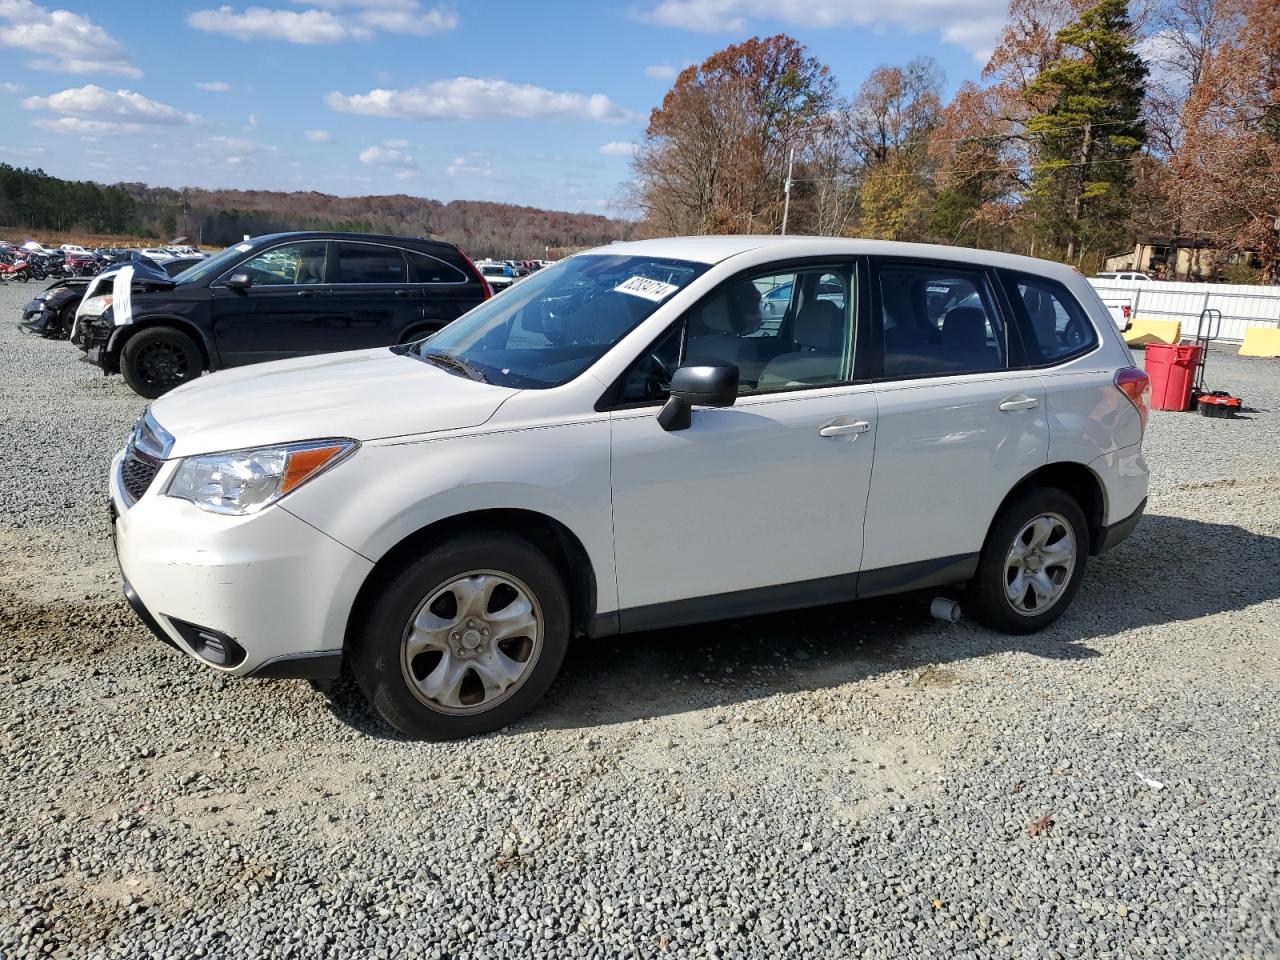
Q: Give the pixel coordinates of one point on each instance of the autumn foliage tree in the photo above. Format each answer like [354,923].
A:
[1227,170]
[713,158]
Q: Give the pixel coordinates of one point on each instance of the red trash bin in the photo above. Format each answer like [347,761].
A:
[1172,369]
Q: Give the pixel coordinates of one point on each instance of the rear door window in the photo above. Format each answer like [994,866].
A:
[370,263]
[937,319]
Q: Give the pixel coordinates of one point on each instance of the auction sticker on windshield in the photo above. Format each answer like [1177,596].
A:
[647,288]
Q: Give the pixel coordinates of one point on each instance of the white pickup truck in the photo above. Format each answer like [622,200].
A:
[1120,306]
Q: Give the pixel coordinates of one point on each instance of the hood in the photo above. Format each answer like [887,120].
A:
[363,395]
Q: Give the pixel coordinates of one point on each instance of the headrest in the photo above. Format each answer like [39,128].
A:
[716,316]
[965,328]
[820,325]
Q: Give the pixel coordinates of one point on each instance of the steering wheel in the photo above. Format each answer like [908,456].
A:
[651,378]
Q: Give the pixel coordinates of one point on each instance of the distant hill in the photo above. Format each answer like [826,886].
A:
[34,200]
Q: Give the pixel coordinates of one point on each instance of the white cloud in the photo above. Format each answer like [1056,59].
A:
[318,136]
[252,121]
[83,127]
[261,23]
[396,144]
[617,148]
[327,21]
[469,98]
[971,24]
[214,86]
[468,167]
[660,71]
[66,42]
[92,102]
[384,156]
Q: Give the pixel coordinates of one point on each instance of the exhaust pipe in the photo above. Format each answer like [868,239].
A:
[945,609]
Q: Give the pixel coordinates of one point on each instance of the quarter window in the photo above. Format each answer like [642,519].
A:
[427,269]
[938,321]
[1058,325]
[288,265]
[370,263]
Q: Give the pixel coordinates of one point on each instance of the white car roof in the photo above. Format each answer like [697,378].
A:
[715,249]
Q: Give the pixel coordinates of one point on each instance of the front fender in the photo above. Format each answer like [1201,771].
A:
[388,491]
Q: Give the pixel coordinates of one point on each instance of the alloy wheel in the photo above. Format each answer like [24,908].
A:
[472,643]
[1039,564]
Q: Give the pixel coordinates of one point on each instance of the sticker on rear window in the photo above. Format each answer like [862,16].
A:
[654,290]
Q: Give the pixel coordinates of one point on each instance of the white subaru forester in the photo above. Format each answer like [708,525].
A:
[626,441]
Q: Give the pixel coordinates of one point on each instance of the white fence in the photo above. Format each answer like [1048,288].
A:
[1242,305]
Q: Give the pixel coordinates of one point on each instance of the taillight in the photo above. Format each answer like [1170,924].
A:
[484,284]
[1136,385]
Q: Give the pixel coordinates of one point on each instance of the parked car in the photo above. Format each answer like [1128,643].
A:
[499,275]
[1123,275]
[75,248]
[158,254]
[606,448]
[52,313]
[283,295]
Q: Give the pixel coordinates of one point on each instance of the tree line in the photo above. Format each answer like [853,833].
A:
[1090,126]
[32,200]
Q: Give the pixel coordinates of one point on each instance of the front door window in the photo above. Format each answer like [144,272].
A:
[290,265]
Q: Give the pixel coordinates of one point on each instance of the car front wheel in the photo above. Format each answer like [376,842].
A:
[158,359]
[1032,563]
[465,639]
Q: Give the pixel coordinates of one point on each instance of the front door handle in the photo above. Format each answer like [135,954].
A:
[402,293]
[844,427]
[1018,402]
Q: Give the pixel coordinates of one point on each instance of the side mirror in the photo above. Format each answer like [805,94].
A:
[710,383]
[240,282]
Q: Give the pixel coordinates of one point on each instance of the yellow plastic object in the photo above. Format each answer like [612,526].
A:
[1261,342]
[1153,331]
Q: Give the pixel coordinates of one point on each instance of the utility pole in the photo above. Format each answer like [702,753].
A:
[786,190]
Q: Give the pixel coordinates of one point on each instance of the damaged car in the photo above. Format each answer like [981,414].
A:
[52,312]
[275,297]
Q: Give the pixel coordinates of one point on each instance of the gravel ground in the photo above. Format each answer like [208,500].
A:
[858,780]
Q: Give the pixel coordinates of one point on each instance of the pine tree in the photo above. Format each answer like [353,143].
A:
[1088,130]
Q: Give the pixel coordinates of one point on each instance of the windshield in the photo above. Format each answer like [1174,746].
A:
[551,326]
[493,270]
[212,266]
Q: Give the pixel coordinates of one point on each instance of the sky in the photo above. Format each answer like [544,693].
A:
[529,103]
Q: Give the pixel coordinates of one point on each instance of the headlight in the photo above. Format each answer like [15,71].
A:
[240,482]
[96,306]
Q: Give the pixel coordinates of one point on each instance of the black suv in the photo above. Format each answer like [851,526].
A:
[282,295]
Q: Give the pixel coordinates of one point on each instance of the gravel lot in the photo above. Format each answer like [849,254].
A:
[859,780]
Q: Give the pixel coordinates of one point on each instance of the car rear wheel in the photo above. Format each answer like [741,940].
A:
[463,640]
[158,359]
[1032,563]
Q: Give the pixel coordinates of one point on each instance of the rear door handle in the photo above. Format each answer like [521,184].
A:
[843,427]
[402,293]
[1009,404]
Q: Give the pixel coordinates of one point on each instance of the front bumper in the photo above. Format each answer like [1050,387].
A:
[37,317]
[271,592]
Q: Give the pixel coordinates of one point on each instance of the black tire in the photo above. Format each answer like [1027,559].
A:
[158,359]
[986,597]
[67,320]
[415,334]
[377,642]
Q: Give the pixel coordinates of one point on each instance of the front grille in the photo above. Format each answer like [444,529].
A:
[137,470]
